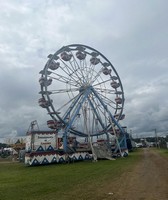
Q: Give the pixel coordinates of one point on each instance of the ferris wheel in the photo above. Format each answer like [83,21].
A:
[81,91]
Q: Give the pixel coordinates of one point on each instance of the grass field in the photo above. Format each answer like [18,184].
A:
[163,152]
[81,180]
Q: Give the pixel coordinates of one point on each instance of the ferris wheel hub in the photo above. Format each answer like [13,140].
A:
[84,88]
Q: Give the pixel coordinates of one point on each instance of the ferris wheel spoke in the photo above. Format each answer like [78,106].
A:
[96,77]
[111,103]
[102,82]
[63,79]
[76,68]
[86,71]
[99,107]
[82,67]
[63,90]
[66,68]
[104,100]
[105,91]
[75,99]
[108,101]
[70,73]
[90,74]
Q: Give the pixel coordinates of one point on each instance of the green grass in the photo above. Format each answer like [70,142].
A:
[81,180]
[163,152]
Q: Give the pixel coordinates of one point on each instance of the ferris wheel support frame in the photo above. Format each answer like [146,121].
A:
[110,115]
[73,118]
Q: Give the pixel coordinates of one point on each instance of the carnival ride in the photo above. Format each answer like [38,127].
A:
[83,94]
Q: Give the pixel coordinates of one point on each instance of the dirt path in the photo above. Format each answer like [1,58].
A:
[148,181]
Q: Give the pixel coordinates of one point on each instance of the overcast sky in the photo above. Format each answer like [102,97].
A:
[132,34]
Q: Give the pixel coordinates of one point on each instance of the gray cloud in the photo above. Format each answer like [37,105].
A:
[131,34]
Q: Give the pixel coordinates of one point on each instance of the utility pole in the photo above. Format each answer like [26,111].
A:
[156,139]
[130,134]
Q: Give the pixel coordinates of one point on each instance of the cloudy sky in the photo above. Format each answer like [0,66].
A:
[132,34]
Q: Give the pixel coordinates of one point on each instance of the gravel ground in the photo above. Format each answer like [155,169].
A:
[147,181]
